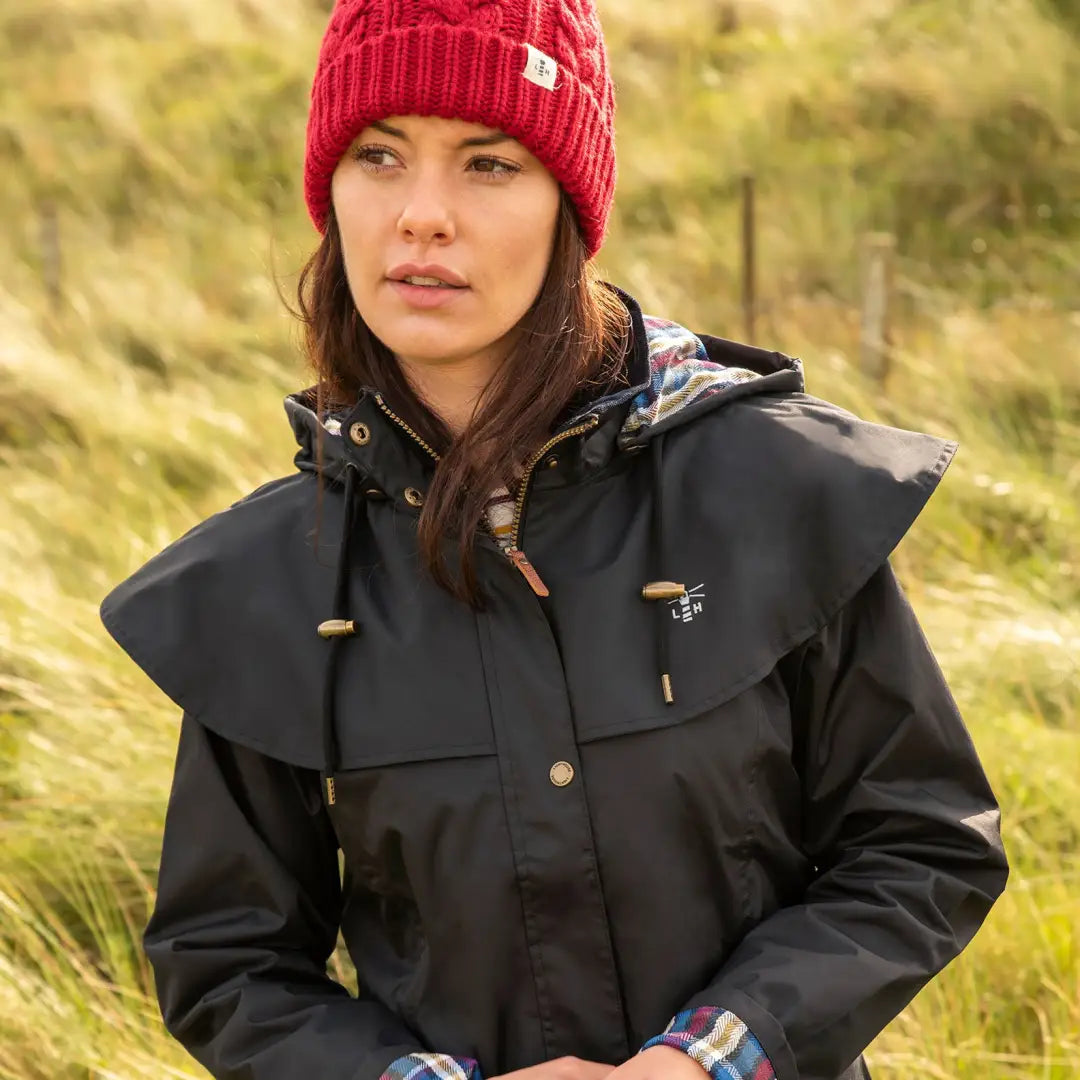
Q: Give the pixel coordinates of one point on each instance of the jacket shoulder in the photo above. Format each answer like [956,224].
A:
[223,619]
[823,461]
[820,457]
[807,501]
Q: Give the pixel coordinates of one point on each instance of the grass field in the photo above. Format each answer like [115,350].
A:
[141,380]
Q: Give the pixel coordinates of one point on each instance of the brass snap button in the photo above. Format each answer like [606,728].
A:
[360,434]
[551,462]
[562,772]
[414,497]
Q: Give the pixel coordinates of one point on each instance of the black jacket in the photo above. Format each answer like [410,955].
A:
[541,854]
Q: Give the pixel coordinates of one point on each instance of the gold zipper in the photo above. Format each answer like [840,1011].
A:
[513,552]
[404,427]
[484,523]
[516,556]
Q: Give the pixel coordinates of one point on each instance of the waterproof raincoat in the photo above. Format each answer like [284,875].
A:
[565,818]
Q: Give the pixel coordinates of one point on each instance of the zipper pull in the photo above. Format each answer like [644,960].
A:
[528,571]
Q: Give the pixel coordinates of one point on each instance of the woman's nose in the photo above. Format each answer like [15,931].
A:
[427,214]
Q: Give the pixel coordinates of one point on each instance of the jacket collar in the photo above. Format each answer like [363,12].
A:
[672,376]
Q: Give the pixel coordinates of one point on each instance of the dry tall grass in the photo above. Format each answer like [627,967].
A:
[169,138]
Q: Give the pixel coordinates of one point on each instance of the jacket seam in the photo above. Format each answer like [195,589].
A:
[751,802]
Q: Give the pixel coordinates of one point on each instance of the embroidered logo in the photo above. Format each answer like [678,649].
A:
[684,608]
[540,68]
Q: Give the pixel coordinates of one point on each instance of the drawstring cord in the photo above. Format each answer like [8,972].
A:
[335,630]
[339,626]
[661,590]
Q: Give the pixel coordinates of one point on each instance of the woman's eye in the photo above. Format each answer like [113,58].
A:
[508,168]
[487,166]
[365,154]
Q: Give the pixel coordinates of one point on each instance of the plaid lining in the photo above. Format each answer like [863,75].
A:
[432,1067]
[680,373]
[719,1042]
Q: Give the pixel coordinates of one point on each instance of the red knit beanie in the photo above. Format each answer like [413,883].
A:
[535,69]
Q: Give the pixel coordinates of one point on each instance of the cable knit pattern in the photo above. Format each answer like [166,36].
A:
[467,59]
[578,34]
[482,14]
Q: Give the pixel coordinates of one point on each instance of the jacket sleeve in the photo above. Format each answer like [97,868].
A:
[901,827]
[246,916]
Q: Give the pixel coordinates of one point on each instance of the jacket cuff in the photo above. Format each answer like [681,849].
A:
[432,1067]
[719,1042]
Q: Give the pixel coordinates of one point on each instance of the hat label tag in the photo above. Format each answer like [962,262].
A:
[541,69]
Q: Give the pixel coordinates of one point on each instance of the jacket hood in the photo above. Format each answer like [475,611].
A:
[673,374]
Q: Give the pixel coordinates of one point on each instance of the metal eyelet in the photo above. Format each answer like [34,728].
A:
[414,497]
[360,434]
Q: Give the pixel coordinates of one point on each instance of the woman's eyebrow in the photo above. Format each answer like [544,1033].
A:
[479,140]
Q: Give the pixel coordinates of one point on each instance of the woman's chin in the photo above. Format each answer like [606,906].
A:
[429,347]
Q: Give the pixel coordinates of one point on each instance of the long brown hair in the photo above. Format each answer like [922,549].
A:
[571,342]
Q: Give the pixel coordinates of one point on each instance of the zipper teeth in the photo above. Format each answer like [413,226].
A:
[519,503]
[484,523]
[523,489]
[404,426]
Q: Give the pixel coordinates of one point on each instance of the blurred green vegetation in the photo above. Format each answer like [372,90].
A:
[167,139]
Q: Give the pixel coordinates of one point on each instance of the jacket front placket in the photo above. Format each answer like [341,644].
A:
[578,997]
[578,992]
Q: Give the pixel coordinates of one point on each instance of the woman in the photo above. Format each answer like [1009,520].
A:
[679,790]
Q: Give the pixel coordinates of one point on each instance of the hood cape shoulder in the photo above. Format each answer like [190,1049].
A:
[808,501]
[804,501]
[223,619]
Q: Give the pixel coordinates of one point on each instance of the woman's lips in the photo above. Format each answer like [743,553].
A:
[426,296]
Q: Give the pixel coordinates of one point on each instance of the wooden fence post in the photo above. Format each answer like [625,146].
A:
[875,346]
[749,260]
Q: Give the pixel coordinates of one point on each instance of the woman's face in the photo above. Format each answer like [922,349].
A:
[410,190]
